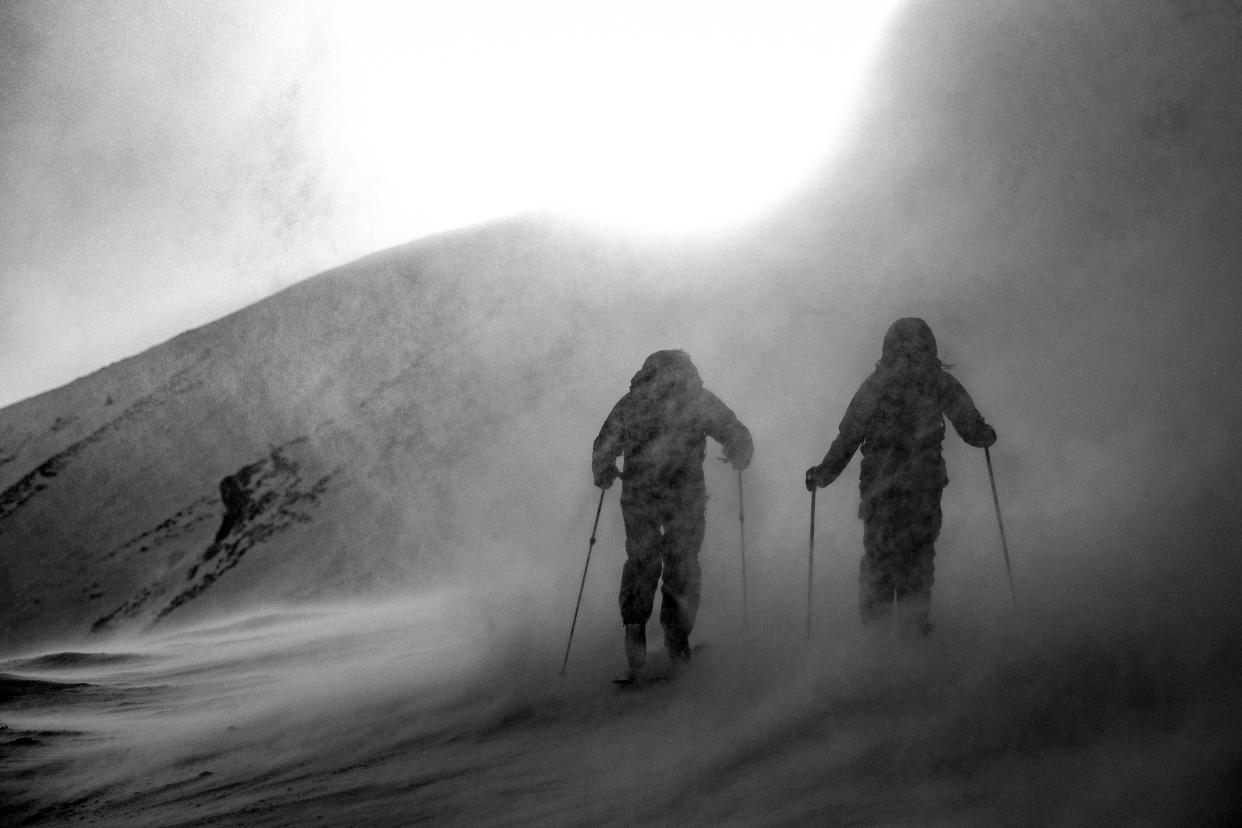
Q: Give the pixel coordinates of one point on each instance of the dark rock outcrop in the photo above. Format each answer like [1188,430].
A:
[260,500]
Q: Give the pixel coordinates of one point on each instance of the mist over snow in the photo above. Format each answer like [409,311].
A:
[320,556]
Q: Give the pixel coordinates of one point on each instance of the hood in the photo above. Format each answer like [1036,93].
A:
[909,341]
[665,371]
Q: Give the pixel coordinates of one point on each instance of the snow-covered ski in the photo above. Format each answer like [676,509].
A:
[665,674]
[630,682]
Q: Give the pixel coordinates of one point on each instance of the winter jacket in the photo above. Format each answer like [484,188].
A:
[661,426]
[897,418]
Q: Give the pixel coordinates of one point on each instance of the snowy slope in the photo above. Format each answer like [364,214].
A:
[336,538]
[421,710]
[309,440]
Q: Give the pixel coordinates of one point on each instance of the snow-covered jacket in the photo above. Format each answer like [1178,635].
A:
[897,419]
[660,428]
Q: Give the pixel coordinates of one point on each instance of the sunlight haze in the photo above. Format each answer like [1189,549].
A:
[657,118]
[166,164]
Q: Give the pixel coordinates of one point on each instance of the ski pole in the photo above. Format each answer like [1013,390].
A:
[741,519]
[582,585]
[810,570]
[999,522]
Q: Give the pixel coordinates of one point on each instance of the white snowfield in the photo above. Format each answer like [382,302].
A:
[449,710]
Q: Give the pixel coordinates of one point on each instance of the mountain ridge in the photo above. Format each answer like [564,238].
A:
[323,370]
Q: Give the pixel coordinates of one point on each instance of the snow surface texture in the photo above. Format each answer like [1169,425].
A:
[442,710]
[382,475]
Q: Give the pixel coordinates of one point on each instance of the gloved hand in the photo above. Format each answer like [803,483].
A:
[986,436]
[604,477]
[814,478]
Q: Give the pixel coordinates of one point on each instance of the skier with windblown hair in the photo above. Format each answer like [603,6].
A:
[897,418]
[660,428]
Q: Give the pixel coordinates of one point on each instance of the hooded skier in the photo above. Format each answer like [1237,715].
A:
[897,418]
[660,428]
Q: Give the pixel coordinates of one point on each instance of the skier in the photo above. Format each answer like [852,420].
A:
[660,428]
[897,417]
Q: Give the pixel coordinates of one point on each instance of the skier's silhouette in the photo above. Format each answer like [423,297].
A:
[897,418]
[660,427]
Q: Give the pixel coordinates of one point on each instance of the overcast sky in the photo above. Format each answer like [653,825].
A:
[164,162]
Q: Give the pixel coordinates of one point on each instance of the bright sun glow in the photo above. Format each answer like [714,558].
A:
[656,116]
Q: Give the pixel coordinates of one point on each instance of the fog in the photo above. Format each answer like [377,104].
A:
[1050,187]
[446,708]
[164,165]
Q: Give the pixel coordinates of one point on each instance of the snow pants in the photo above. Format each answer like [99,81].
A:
[900,527]
[663,537]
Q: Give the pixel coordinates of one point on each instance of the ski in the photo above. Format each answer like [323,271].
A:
[629,682]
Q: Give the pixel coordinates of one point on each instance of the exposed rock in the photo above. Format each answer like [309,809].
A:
[260,500]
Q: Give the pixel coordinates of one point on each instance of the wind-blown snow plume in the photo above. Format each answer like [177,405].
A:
[1047,185]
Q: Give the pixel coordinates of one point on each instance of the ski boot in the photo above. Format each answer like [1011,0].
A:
[678,648]
[636,652]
